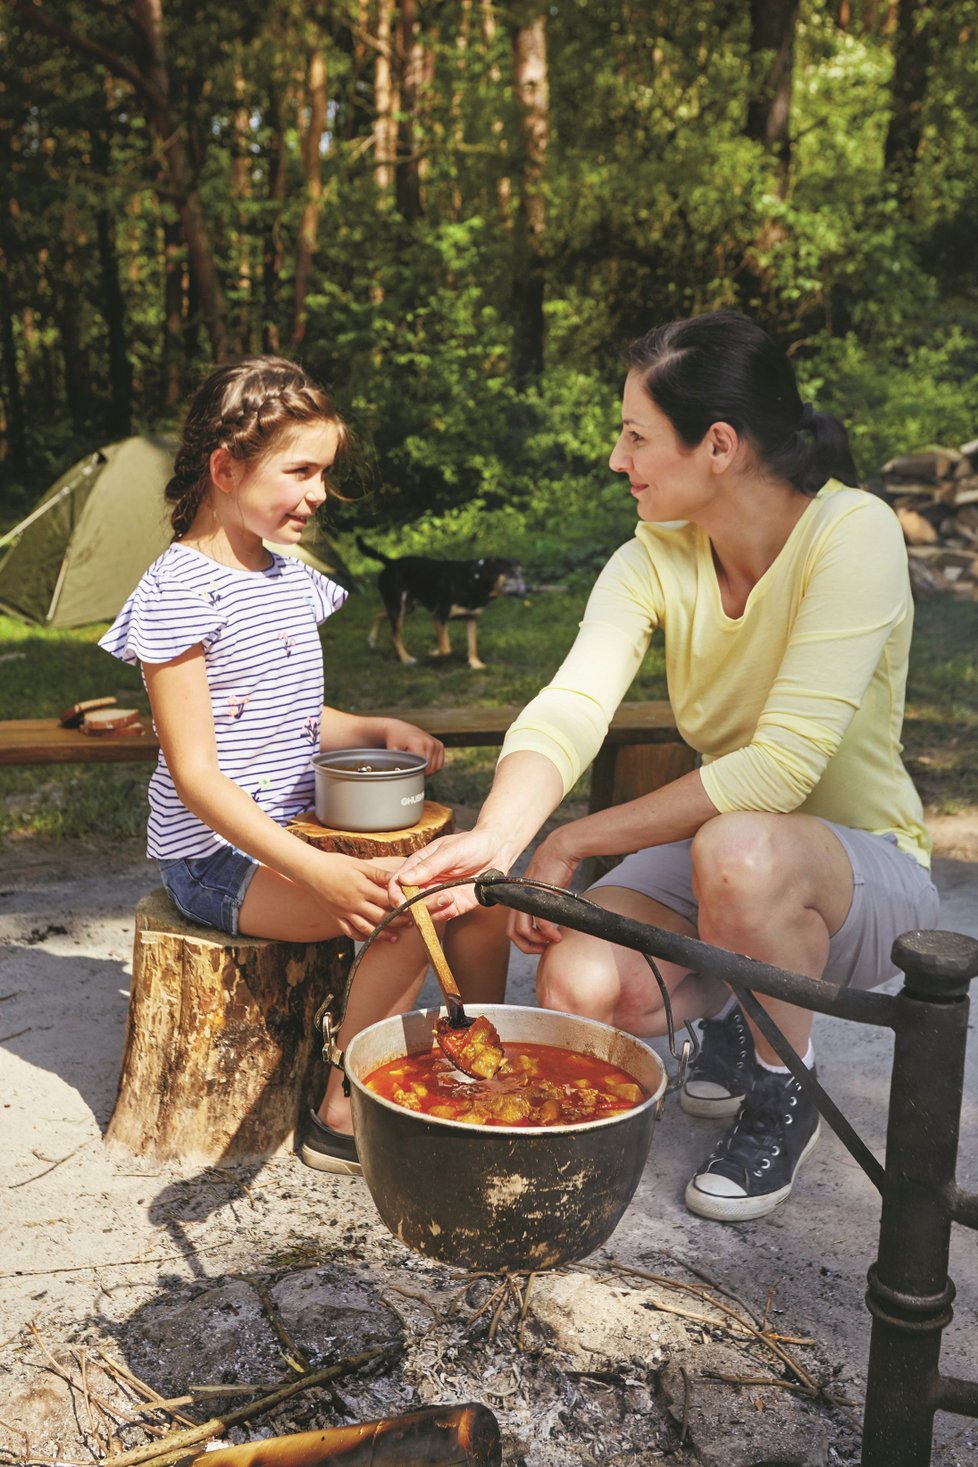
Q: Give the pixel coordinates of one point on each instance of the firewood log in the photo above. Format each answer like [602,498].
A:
[441,1436]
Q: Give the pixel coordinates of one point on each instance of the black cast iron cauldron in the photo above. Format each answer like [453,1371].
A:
[501,1197]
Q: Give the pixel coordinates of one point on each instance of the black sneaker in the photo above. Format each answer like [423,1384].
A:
[328,1150]
[720,1075]
[752,1169]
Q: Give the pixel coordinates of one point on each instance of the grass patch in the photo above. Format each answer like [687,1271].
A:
[940,729]
[522,642]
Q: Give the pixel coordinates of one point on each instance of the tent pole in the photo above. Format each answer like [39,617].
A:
[36,515]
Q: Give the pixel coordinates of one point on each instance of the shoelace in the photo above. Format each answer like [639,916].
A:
[755,1132]
[726,1040]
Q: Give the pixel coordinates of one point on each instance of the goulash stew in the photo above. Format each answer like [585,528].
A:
[536,1085]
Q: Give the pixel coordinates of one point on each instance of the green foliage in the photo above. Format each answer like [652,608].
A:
[927,393]
[657,204]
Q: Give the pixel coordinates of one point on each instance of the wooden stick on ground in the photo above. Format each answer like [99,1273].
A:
[176,1445]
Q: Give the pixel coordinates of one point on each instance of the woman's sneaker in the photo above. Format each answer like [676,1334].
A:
[752,1169]
[328,1150]
[721,1072]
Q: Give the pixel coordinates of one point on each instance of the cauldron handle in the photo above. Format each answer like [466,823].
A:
[567,909]
[329,1016]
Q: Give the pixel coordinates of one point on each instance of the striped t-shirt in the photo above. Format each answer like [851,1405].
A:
[264,666]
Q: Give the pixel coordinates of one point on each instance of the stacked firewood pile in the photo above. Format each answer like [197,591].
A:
[935,495]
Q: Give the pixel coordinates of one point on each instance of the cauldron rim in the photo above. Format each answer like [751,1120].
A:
[527,1132]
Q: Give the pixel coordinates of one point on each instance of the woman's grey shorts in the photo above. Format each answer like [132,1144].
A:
[210,889]
[892,894]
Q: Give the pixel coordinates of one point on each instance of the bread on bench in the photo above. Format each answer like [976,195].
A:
[102,721]
[73,717]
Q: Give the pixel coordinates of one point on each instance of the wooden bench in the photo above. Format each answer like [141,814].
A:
[642,750]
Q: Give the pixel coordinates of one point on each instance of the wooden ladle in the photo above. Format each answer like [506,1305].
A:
[472,1045]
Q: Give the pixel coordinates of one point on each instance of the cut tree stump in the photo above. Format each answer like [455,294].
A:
[435,820]
[221,1057]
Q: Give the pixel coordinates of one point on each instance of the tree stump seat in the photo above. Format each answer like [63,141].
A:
[222,1057]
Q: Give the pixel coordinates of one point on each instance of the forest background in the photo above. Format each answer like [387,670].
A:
[455,213]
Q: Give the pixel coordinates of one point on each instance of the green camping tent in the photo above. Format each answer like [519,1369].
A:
[80,552]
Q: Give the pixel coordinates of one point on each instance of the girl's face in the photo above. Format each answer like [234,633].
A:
[668,480]
[275,497]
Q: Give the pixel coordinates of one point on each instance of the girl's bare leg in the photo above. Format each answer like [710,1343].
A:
[386,984]
[477,948]
[284,910]
[391,976]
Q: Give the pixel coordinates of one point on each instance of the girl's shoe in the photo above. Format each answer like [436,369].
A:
[752,1168]
[329,1151]
[721,1073]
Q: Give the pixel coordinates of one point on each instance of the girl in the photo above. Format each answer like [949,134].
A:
[784,600]
[225,631]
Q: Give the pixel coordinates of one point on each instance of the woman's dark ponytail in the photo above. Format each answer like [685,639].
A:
[830,456]
[723,367]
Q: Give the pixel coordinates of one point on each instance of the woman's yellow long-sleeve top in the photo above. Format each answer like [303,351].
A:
[797,705]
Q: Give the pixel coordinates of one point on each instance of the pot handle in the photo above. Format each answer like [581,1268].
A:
[331,1012]
[567,909]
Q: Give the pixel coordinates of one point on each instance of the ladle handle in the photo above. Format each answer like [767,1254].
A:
[429,937]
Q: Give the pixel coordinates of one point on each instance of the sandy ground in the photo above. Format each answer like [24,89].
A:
[110,1264]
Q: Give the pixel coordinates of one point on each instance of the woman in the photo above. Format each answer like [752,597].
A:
[785,605]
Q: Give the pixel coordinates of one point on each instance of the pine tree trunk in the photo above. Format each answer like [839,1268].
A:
[240,235]
[407,179]
[911,62]
[148,15]
[272,242]
[16,435]
[173,342]
[532,88]
[312,168]
[385,100]
[772,44]
[114,307]
[66,290]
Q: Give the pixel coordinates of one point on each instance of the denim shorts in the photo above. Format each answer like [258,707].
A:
[891,894]
[210,889]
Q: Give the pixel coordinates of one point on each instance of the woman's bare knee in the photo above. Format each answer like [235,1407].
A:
[735,857]
[578,976]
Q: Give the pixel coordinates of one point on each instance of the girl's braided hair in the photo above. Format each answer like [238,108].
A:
[245,407]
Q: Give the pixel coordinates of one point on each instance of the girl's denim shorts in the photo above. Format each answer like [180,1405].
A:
[210,889]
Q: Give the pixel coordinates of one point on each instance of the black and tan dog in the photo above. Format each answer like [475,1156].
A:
[452,590]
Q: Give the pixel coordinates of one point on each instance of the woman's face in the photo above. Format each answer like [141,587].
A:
[668,480]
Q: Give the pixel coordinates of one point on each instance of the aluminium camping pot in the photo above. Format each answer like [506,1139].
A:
[501,1197]
[369,789]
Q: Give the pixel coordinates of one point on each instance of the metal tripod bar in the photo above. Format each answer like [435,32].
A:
[909,1294]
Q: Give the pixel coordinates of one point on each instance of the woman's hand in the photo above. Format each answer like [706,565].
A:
[554,863]
[451,858]
[413,740]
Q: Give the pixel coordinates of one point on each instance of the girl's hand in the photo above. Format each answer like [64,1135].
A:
[399,735]
[354,892]
[554,863]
